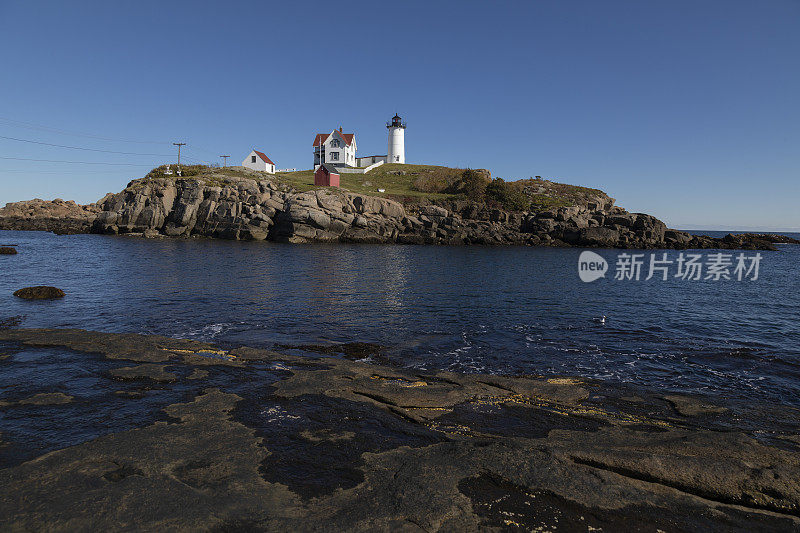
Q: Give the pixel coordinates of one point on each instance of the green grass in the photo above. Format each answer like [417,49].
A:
[397,180]
[208,175]
[405,183]
[302,180]
[562,192]
[542,201]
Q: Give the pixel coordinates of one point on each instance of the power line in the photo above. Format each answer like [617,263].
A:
[31,125]
[194,148]
[191,156]
[74,162]
[34,126]
[75,133]
[78,148]
[54,171]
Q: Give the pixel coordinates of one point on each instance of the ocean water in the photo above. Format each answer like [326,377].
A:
[505,310]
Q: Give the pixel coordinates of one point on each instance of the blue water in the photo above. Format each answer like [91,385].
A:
[503,310]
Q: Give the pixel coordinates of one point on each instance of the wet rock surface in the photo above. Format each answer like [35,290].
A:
[259,440]
[147,371]
[8,250]
[259,209]
[45,398]
[687,406]
[354,351]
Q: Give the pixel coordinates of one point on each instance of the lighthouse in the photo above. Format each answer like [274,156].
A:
[397,146]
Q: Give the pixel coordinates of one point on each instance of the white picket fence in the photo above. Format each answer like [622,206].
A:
[345,170]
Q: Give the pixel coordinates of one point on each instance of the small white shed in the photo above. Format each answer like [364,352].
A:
[259,161]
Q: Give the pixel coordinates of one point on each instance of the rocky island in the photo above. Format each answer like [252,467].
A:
[420,205]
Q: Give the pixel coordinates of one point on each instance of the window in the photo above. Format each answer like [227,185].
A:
[252,159]
[334,156]
[397,158]
[335,143]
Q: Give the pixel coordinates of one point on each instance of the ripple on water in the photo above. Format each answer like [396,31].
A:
[433,307]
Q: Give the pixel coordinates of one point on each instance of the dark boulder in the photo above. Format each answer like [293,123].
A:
[621,219]
[598,237]
[681,237]
[39,293]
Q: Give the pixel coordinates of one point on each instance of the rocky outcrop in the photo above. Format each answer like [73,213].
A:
[329,215]
[743,238]
[250,210]
[58,216]
[40,292]
[242,208]
[257,209]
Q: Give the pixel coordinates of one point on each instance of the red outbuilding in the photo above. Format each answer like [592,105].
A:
[327,176]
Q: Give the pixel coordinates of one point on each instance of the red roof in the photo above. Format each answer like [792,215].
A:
[329,169]
[263,157]
[348,137]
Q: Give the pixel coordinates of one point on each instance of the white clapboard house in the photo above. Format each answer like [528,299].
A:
[336,148]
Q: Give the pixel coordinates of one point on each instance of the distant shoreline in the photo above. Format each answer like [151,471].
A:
[788,233]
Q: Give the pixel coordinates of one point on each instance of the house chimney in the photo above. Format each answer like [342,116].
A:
[340,129]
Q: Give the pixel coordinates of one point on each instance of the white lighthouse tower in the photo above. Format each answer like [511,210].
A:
[397,145]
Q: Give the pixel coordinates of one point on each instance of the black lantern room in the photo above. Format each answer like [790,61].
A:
[396,122]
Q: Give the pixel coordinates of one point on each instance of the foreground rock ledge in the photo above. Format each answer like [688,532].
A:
[482,453]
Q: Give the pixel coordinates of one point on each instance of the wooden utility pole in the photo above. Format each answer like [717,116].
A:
[179,155]
[224,160]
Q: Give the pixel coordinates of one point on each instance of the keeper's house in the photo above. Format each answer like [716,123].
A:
[259,161]
[336,148]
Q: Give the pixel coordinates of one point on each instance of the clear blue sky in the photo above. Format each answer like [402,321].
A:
[687,110]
